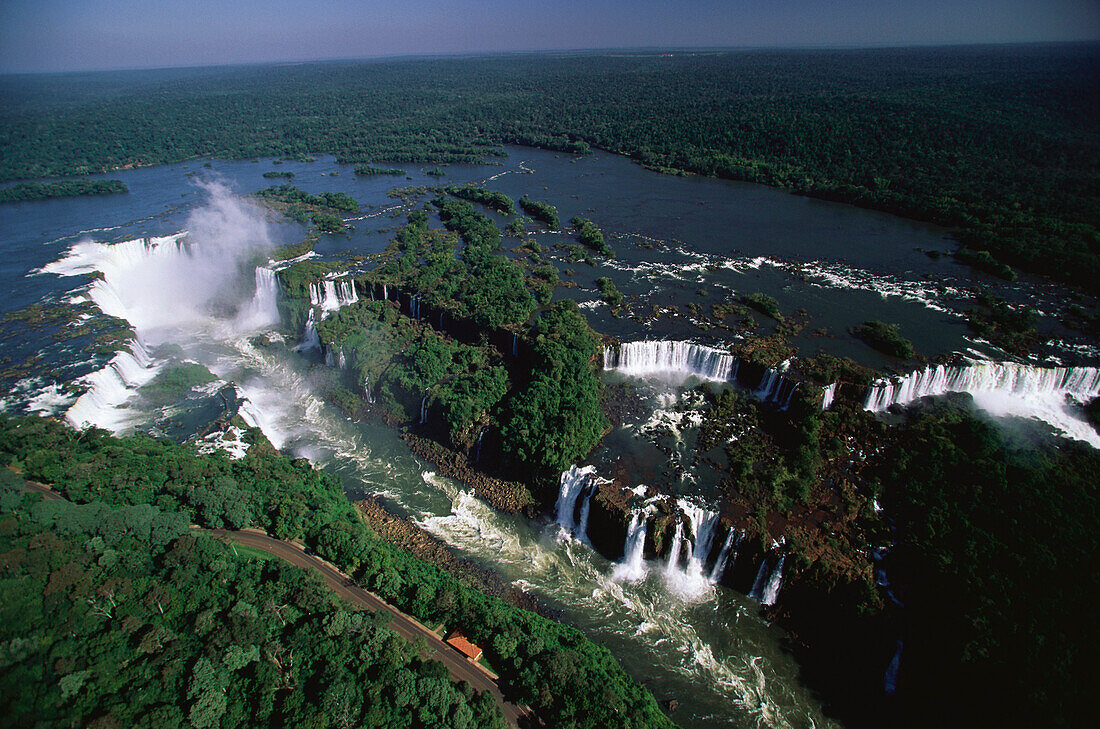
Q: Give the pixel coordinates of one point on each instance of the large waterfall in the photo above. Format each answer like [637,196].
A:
[681,359]
[164,285]
[827,395]
[310,338]
[1003,389]
[110,388]
[977,377]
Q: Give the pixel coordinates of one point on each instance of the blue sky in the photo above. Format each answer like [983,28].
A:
[62,35]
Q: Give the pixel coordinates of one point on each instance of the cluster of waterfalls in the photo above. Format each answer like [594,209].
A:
[693,559]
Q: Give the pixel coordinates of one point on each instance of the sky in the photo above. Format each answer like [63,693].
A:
[83,35]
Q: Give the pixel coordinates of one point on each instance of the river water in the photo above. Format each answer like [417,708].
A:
[678,240]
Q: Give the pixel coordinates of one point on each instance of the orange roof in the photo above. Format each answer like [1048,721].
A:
[458,640]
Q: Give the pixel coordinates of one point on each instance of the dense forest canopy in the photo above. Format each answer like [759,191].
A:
[998,142]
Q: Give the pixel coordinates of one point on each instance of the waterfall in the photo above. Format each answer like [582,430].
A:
[765,588]
[424,410]
[776,388]
[441,321]
[977,377]
[633,564]
[477,446]
[262,311]
[331,294]
[345,292]
[675,549]
[684,359]
[827,395]
[775,581]
[515,344]
[577,484]
[890,678]
[385,292]
[109,389]
[310,340]
[703,526]
[729,548]
[757,591]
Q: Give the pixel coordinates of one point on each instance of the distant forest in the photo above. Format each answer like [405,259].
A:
[998,143]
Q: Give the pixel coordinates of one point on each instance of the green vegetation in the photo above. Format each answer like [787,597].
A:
[567,679]
[493,200]
[999,143]
[885,338]
[173,382]
[555,419]
[322,211]
[611,295]
[70,188]
[276,174]
[165,628]
[592,237]
[538,210]
[763,303]
[368,171]
[984,261]
[1000,549]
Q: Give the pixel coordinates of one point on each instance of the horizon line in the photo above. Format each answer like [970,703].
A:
[557,51]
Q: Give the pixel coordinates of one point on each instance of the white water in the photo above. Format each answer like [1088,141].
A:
[164,286]
[729,549]
[774,387]
[1002,389]
[769,578]
[310,338]
[714,655]
[632,567]
[671,359]
[331,294]
[827,396]
[577,484]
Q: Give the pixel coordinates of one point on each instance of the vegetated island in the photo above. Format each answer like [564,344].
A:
[24,191]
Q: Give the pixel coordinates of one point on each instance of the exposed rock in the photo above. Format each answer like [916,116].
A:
[507,496]
[406,535]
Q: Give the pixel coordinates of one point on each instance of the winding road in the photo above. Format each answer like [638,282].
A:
[460,667]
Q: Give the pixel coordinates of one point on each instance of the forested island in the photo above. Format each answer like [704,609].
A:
[71,188]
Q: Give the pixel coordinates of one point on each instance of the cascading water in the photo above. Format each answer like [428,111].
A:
[310,339]
[633,564]
[1002,389]
[331,294]
[769,578]
[776,388]
[577,485]
[727,553]
[683,359]
[978,377]
[689,651]
[890,677]
[111,387]
[827,395]
[164,285]
[424,410]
